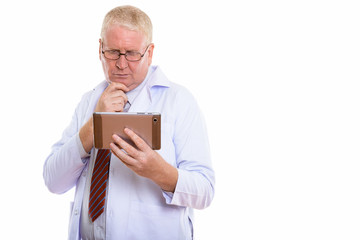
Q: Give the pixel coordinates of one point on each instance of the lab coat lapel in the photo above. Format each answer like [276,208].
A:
[95,95]
[144,99]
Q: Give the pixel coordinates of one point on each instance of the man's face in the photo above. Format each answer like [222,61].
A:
[131,74]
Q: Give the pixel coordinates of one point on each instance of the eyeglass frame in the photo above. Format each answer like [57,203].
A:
[124,54]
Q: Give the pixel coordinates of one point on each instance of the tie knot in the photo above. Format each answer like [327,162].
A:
[127,106]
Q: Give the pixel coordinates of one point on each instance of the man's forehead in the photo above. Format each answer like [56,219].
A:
[123,31]
[116,35]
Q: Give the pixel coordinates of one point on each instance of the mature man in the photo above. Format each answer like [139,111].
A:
[147,194]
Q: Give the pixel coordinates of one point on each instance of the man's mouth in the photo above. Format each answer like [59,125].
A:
[120,75]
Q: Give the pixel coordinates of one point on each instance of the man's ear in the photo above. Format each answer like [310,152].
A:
[150,53]
[100,43]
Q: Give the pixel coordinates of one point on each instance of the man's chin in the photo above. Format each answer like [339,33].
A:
[118,80]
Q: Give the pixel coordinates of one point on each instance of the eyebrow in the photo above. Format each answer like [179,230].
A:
[116,49]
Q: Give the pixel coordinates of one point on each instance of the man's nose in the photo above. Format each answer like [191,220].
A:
[122,63]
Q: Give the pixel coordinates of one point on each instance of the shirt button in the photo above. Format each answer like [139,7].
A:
[76,212]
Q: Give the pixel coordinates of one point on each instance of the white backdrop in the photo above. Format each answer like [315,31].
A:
[278,83]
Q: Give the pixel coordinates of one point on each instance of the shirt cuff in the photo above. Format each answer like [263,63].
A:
[84,155]
[168,196]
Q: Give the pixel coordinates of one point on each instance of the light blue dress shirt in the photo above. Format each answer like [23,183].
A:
[136,207]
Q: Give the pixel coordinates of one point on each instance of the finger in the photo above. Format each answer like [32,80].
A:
[118,97]
[114,93]
[130,150]
[139,142]
[118,107]
[122,155]
[118,101]
[112,99]
[118,86]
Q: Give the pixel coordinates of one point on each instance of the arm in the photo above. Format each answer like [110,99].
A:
[191,182]
[144,161]
[195,186]
[113,99]
[65,163]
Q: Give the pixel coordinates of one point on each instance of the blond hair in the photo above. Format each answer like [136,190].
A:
[129,17]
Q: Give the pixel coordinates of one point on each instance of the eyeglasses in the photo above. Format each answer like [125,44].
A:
[131,56]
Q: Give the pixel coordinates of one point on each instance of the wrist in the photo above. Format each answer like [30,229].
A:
[168,179]
[86,135]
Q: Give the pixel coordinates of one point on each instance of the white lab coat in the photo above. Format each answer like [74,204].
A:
[136,207]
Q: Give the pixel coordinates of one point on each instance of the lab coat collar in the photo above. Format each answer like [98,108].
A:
[155,78]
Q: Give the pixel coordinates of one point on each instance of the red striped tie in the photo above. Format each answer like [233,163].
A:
[98,184]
